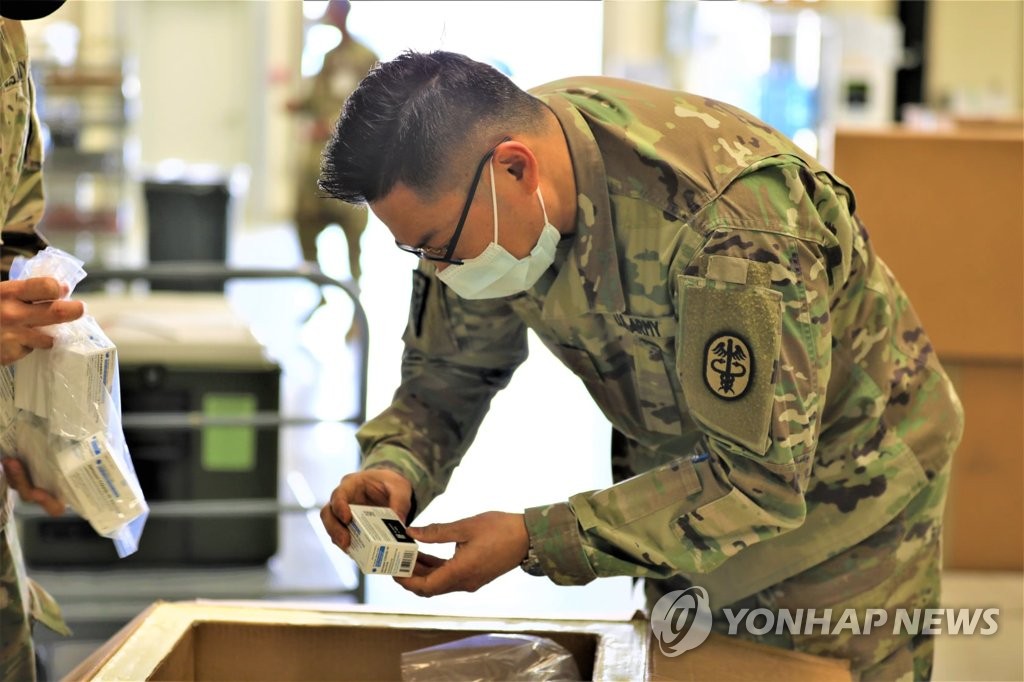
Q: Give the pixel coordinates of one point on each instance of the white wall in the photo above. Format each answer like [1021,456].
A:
[976,56]
[539,40]
[197,63]
[215,75]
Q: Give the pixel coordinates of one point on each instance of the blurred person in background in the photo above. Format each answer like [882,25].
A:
[343,67]
[24,307]
[782,428]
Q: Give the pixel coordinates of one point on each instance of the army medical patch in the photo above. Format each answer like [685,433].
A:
[728,366]
[728,341]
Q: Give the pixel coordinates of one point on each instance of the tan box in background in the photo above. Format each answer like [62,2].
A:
[945,211]
[263,641]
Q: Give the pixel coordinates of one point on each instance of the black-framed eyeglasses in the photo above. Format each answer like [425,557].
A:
[431,254]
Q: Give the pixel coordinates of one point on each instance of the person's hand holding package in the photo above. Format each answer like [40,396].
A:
[25,306]
[372,487]
[487,546]
[18,478]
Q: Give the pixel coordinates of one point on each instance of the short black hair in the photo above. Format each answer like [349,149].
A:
[415,116]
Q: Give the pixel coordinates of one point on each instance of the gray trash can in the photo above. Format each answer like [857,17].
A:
[190,211]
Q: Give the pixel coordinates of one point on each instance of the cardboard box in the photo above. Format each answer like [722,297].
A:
[944,211]
[984,524]
[263,641]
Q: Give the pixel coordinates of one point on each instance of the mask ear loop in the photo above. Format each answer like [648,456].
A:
[494,200]
[542,209]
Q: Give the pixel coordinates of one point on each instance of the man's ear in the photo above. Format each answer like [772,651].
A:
[516,159]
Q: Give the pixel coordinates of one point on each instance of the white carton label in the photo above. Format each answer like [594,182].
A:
[70,386]
[30,383]
[85,375]
[380,545]
[97,484]
[33,445]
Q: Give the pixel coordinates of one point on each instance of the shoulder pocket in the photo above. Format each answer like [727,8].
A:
[728,346]
[654,360]
[730,523]
[635,498]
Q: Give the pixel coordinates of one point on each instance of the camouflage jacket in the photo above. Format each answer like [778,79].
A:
[343,68]
[777,397]
[21,152]
[21,207]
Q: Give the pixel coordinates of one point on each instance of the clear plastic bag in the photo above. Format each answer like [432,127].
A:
[67,417]
[491,657]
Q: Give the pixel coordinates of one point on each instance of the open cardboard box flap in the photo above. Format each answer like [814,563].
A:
[257,641]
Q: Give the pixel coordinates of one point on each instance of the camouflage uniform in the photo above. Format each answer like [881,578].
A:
[782,423]
[21,206]
[343,68]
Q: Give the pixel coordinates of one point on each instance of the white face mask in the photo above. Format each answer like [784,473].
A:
[496,272]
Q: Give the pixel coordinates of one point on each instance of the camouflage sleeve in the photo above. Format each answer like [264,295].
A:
[21,187]
[753,358]
[458,355]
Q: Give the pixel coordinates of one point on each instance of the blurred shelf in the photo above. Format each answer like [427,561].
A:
[83,77]
[87,167]
[71,219]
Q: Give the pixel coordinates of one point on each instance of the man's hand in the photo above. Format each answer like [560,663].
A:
[18,478]
[26,305]
[486,546]
[374,487]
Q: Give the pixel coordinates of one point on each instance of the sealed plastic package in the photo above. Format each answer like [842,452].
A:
[491,657]
[65,423]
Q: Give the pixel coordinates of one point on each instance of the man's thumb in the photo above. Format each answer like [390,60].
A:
[435,533]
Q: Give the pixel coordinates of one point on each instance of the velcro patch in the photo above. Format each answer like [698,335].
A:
[728,343]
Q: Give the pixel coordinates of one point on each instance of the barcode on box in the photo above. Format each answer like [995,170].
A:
[93,481]
[407,559]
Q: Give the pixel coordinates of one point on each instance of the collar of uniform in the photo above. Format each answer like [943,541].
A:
[590,276]
[14,33]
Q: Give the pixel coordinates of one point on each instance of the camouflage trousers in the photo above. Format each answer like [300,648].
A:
[896,568]
[21,603]
[313,213]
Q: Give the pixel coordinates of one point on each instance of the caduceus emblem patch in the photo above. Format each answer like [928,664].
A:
[728,366]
